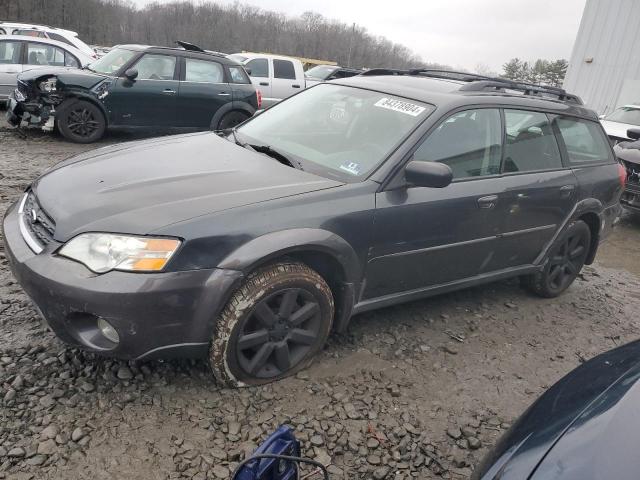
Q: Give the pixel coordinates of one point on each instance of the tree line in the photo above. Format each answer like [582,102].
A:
[222,27]
[540,72]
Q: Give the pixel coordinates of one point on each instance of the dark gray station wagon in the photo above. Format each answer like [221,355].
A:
[352,195]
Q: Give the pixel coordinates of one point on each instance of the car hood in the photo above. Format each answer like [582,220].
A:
[628,151]
[582,419]
[69,76]
[138,187]
[617,129]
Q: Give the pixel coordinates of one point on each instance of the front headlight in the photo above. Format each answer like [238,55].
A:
[48,85]
[102,252]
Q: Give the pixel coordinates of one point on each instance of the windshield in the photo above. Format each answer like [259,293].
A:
[321,72]
[112,61]
[629,115]
[337,131]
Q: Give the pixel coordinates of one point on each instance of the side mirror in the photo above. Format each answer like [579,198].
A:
[634,133]
[428,174]
[131,73]
[601,117]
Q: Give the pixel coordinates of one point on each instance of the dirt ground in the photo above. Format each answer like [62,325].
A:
[421,390]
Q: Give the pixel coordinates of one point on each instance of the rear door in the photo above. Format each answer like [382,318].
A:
[539,189]
[10,66]
[285,80]
[203,90]
[260,70]
[151,98]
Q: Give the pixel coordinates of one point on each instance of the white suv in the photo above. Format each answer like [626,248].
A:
[52,33]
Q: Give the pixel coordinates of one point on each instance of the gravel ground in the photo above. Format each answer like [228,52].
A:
[420,390]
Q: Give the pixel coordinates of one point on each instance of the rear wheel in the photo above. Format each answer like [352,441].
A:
[272,326]
[565,259]
[230,120]
[81,122]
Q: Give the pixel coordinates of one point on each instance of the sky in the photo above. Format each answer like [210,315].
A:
[460,33]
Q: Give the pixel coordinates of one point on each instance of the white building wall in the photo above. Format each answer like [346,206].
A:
[604,68]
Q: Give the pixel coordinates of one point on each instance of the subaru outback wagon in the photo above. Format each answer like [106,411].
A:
[251,247]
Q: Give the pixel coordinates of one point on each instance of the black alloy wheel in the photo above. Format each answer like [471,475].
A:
[81,122]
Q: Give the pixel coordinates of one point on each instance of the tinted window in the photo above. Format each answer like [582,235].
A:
[156,67]
[203,71]
[469,142]
[238,75]
[10,53]
[585,141]
[70,60]
[284,69]
[259,67]
[531,144]
[59,38]
[41,54]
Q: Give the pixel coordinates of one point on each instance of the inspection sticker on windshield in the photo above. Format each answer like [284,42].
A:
[351,167]
[400,106]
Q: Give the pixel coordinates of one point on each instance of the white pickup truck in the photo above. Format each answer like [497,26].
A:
[275,76]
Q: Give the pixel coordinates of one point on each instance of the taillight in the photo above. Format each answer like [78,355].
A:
[259,98]
[622,174]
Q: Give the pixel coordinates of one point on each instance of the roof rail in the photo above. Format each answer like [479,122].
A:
[479,83]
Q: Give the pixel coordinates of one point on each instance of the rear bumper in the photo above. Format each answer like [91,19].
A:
[155,315]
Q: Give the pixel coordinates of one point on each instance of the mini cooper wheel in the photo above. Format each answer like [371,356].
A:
[272,326]
[230,120]
[565,259]
[81,122]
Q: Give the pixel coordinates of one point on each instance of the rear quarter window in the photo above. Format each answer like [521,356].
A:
[238,75]
[585,142]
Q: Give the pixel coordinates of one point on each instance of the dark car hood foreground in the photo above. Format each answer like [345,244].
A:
[139,187]
[585,427]
[69,76]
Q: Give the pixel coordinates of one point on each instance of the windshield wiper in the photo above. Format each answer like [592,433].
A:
[282,158]
[236,140]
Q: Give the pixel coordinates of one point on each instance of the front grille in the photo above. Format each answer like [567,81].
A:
[36,226]
[633,172]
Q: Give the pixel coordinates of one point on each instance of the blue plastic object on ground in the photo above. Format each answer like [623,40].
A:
[280,442]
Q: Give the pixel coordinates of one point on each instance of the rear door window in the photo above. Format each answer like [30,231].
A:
[156,67]
[470,142]
[284,69]
[42,54]
[203,71]
[585,141]
[10,53]
[530,142]
[259,67]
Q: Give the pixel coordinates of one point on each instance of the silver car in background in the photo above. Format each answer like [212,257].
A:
[19,53]
[43,31]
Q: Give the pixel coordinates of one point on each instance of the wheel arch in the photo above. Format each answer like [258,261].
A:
[592,220]
[80,95]
[237,106]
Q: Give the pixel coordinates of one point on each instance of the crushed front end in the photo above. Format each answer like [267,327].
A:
[34,103]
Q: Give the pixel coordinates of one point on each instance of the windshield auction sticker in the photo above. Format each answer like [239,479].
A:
[400,106]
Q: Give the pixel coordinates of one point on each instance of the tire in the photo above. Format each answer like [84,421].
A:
[273,325]
[564,261]
[81,121]
[230,120]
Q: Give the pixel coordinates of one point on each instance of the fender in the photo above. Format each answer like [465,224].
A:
[234,105]
[77,94]
[276,244]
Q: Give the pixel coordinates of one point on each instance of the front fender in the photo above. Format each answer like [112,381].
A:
[276,244]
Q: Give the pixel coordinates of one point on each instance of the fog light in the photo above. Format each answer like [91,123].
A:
[108,331]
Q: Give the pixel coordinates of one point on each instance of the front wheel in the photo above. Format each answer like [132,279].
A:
[564,261]
[81,122]
[272,326]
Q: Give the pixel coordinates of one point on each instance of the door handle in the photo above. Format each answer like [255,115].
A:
[295,86]
[489,201]
[224,94]
[264,84]
[567,190]
[168,91]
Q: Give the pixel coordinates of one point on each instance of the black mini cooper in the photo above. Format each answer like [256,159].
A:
[351,195]
[136,86]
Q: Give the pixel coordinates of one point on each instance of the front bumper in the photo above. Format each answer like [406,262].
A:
[34,113]
[156,315]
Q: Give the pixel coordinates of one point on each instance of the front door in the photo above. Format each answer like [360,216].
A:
[10,66]
[285,82]
[428,236]
[151,98]
[203,90]
[259,71]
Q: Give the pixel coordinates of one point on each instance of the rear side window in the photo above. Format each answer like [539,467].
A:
[41,54]
[238,75]
[259,67]
[59,38]
[585,142]
[470,142]
[203,71]
[284,69]
[530,143]
[10,53]
[156,67]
